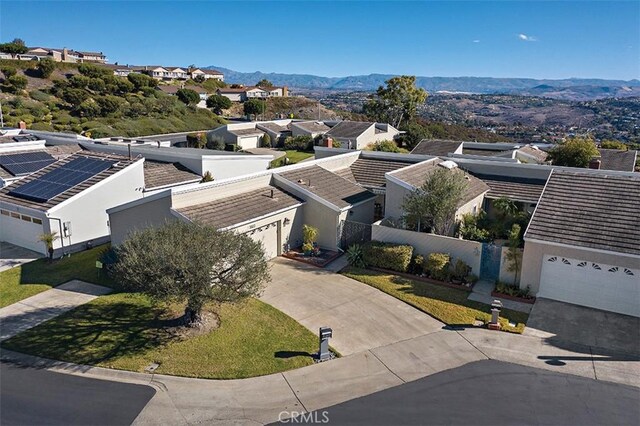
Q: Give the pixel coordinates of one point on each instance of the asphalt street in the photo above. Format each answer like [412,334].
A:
[39,397]
[489,393]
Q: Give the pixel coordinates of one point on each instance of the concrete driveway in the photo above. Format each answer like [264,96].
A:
[11,256]
[559,322]
[361,316]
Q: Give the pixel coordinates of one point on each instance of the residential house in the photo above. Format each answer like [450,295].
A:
[358,135]
[614,159]
[309,128]
[62,55]
[207,74]
[241,94]
[249,135]
[582,245]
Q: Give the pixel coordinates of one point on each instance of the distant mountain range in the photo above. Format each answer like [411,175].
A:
[571,88]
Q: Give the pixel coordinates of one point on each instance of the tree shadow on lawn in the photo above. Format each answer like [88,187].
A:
[97,333]
[80,266]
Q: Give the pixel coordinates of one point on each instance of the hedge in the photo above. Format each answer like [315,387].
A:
[395,257]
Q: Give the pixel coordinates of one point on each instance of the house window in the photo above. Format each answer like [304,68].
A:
[37,221]
[26,218]
[15,215]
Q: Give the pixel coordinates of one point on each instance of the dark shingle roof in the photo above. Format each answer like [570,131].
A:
[240,208]
[327,185]
[517,189]
[349,129]
[122,163]
[246,132]
[369,172]
[591,210]
[436,147]
[158,174]
[613,159]
[312,126]
[485,152]
[417,175]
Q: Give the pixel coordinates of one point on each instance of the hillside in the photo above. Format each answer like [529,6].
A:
[92,101]
[582,89]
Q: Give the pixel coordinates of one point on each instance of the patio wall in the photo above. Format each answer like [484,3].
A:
[424,244]
[505,275]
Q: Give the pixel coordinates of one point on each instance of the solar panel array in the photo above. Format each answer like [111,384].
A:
[61,179]
[25,163]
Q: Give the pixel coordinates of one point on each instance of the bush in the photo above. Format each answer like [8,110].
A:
[355,256]
[266,141]
[460,270]
[8,71]
[417,265]
[196,140]
[188,96]
[94,71]
[19,82]
[512,290]
[309,234]
[215,142]
[46,66]
[386,146]
[298,143]
[395,257]
[438,266]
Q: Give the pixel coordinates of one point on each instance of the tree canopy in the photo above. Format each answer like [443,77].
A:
[433,205]
[612,144]
[15,47]
[264,83]
[46,66]
[254,107]
[188,96]
[192,264]
[575,152]
[217,103]
[397,102]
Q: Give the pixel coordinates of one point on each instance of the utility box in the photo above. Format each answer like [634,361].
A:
[324,335]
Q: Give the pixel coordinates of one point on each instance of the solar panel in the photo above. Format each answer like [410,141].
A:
[61,179]
[25,163]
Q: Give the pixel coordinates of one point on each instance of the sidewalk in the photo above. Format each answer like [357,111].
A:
[482,293]
[37,309]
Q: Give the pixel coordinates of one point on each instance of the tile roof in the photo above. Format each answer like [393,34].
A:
[158,174]
[613,159]
[349,129]
[62,151]
[536,153]
[312,126]
[240,208]
[246,132]
[592,210]
[123,162]
[273,127]
[416,175]
[484,152]
[517,189]
[370,172]
[327,185]
[436,147]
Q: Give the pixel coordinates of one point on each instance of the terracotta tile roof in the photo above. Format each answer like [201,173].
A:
[336,190]
[517,189]
[417,175]
[613,159]
[592,210]
[436,147]
[158,174]
[123,162]
[240,208]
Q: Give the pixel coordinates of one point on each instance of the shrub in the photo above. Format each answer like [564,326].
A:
[309,234]
[298,143]
[188,96]
[207,177]
[386,146]
[215,142]
[19,82]
[8,71]
[307,248]
[513,290]
[460,270]
[355,256]
[417,265]
[438,266]
[39,96]
[395,257]
[196,140]
[266,140]
[471,278]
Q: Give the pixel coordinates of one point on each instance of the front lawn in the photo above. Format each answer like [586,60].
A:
[34,277]
[297,156]
[448,305]
[125,331]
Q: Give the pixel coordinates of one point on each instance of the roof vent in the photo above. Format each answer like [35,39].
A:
[448,164]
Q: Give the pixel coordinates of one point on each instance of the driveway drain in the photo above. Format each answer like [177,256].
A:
[151,367]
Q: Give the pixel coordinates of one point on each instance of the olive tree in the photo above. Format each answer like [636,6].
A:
[193,264]
[434,204]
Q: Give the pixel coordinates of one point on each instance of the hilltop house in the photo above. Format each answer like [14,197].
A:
[241,94]
[62,55]
[359,134]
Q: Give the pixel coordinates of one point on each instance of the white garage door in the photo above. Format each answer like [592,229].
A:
[608,287]
[22,233]
[249,142]
[268,236]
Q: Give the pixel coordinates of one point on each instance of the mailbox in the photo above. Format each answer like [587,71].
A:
[324,334]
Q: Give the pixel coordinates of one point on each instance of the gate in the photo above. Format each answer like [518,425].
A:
[490,262]
[353,233]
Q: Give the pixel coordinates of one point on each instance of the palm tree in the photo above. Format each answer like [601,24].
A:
[48,238]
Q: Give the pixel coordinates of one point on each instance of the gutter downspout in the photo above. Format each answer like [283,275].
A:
[61,234]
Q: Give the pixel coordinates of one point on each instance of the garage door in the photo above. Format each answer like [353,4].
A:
[268,236]
[249,142]
[608,287]
[21,231]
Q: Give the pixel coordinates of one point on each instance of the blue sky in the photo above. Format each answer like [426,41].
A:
[539,39]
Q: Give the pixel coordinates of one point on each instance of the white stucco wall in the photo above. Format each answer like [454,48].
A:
[154,212]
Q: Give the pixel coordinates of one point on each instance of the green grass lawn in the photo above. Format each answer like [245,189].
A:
[34,277]
[446,304]
[125,331]
[297,156]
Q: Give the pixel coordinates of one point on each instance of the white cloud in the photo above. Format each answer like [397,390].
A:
[476,41]
[525,37]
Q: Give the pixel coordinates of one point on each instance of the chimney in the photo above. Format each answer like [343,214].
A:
[22,125]
[329,142]
[595,163]
[285,91]
[65,53]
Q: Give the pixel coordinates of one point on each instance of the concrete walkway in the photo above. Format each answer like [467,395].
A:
[482,293]
[361,316]
[37,309]
[266,151]
[12,256]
